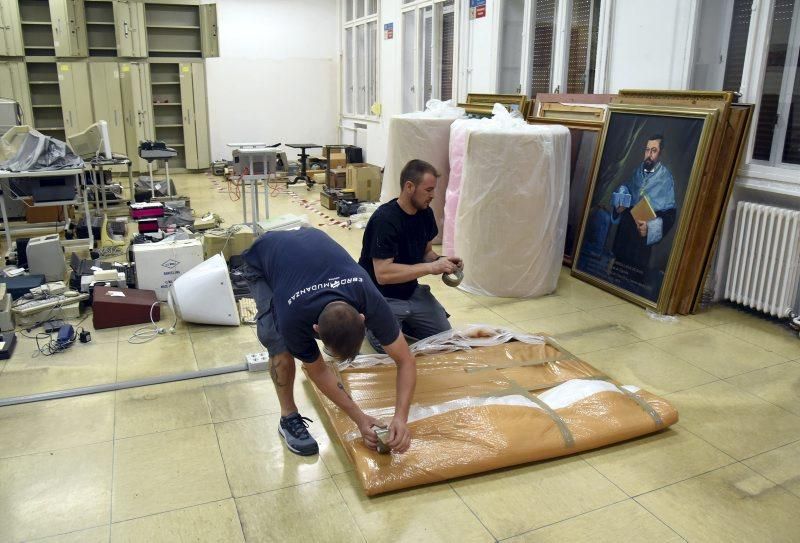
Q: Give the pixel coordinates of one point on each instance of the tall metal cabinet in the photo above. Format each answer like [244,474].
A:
[76,97]
[70,63]
[69,28]
[134,78]
[14,85]
[180,111]
[107,101]
[10,30]
[130,29]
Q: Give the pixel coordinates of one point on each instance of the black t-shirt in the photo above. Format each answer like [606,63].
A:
[393,233]
[306,271]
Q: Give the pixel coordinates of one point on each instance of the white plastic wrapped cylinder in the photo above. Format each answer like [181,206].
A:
[512,214]
[423,135]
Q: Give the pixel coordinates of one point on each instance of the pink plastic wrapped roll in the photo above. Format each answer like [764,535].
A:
[459,132]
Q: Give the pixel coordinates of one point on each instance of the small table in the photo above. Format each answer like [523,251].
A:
[303,161]
[96,166]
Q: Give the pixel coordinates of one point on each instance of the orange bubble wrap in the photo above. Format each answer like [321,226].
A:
[491,407]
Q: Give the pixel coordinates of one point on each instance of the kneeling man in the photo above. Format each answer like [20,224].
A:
[397,251]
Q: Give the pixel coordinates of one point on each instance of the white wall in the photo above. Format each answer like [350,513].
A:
[277,76]
[650,44]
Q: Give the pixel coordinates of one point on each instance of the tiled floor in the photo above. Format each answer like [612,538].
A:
[201,460]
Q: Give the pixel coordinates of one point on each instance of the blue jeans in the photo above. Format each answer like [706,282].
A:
[266,330]
[420,316]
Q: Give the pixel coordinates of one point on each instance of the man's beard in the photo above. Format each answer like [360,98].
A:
[649,164]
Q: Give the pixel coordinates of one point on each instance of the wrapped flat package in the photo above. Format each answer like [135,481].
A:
[423,135]
[511,219]
[487,407]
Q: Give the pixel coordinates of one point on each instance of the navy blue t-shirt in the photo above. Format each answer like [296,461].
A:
[306,271]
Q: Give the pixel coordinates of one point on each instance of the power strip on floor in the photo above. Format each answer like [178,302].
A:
[257,361]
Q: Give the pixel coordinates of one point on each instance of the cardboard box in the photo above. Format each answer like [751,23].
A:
[45,213]
[218,241]
[365,180]
[337,160]
[112,307]
[337,179]
[328,199]
[159,264]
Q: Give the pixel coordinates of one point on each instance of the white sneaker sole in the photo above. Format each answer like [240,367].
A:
[295,451]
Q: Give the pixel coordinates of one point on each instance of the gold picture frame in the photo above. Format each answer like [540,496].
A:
[518,102]
[608,246]
[477,110]
[578,188]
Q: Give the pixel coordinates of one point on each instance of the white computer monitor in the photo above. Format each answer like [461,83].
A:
[204,294]
[92,142]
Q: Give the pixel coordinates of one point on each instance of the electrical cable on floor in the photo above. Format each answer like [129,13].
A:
[147,333]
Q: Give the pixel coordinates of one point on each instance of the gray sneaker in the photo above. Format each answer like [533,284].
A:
[293,430]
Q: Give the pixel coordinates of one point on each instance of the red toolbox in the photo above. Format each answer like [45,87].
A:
[146,210]
[123,306]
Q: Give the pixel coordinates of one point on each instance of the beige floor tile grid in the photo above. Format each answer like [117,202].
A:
[203,458]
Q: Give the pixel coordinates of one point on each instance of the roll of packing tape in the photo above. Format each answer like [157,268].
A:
[453,279]
[383,438]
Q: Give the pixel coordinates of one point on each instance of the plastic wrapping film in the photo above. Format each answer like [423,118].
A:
[482,408]
[512,212]
[24,149]
[423,135]
[459,133]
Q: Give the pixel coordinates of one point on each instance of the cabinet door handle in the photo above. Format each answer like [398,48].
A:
[125,27]
[70,118]
[189,115]
[116,122]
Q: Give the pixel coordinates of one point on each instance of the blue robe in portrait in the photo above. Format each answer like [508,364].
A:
[629,247]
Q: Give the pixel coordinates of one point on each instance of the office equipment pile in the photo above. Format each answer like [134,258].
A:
[51,279]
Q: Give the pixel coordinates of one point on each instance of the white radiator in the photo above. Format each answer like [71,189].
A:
[764,266]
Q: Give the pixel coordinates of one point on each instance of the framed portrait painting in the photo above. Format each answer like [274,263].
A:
[584,144]
[640,203]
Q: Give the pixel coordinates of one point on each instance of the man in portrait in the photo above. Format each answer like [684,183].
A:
[644,209]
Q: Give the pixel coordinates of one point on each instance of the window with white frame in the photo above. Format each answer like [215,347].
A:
[762,63]
[721,44]
[428,38]
[777,134]
[360,56]
[535,56]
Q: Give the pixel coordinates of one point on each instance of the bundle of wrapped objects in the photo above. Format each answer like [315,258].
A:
[488,398]
[423,135]
[507,202]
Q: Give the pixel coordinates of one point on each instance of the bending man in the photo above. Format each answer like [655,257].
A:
[306,285]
